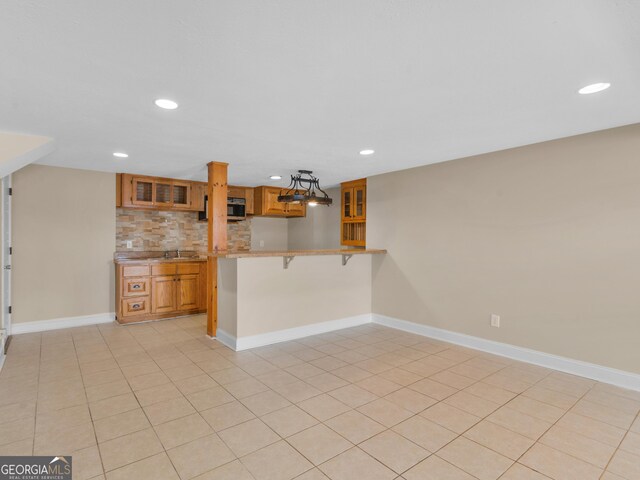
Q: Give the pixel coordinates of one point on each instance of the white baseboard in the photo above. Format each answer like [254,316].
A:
[253,341]
[58,323]
[575,367]
[226,339]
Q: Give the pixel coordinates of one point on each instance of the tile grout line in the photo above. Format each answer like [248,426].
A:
[84,387]
[383,397]
[320,422]
[472,426]
[485,418]
[553,425]
[236,458]
[139,405]
[399,345]
[407,386]
[35,418]
[418,414]
[620,444]
[551,371]
[193,406]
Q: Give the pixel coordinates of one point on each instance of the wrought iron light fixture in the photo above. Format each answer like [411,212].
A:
[304,188]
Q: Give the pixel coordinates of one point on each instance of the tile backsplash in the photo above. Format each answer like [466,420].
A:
[172,230]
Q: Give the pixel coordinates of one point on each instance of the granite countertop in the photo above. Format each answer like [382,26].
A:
[191,256]
[157,257]
[295,253]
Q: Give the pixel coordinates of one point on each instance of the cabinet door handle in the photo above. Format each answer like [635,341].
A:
[135,306]
[136,286]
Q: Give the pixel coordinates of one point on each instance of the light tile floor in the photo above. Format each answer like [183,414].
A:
[162,401]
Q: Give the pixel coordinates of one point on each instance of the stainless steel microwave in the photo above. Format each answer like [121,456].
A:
[236,209]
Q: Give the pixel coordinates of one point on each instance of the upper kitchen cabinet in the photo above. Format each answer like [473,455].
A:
[142,191]
[182,192]
[118,190]
[354,200]
[353,226]
[245,193]
[266,204]
[249,196]
[163,196]
[200,191]
[235,192]
[197,198]
[137,191]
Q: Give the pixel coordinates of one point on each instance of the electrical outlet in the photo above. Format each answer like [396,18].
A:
[261,243]
[129,243]
[495,320]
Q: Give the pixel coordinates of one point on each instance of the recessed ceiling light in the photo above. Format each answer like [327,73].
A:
[275,177]
[120,155]
[367,151]
[594,88]
[166,104]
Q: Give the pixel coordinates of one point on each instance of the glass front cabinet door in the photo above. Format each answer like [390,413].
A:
[181,194]
[347,200]
[142,191]
[359,203]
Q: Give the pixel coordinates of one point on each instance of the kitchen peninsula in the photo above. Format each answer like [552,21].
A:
[267,297]
[251,296]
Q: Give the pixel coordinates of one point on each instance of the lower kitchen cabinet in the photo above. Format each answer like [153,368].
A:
[135,306]
[187,289]
[155,290]
[163,294]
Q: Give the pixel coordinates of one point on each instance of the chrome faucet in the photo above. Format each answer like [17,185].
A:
[178,253]
[166,254]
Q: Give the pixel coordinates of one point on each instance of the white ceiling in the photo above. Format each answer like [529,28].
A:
[271,86]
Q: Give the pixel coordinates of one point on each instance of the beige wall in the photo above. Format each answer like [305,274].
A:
[264,297]
[228,295]
[547,236]
[320,228]
[2,325]
[63,238]
[272,231]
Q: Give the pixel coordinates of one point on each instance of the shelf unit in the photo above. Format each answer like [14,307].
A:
[353,224]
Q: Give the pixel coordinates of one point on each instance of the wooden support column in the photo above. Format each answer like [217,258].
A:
[217,236]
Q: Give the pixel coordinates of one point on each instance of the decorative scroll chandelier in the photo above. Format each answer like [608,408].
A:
[304,188]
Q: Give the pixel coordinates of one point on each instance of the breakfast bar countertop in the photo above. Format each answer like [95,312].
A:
[294,253]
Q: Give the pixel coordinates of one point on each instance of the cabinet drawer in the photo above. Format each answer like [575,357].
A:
[163,269]
[135,287]
[135,270]
[187,268]
[135,306]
